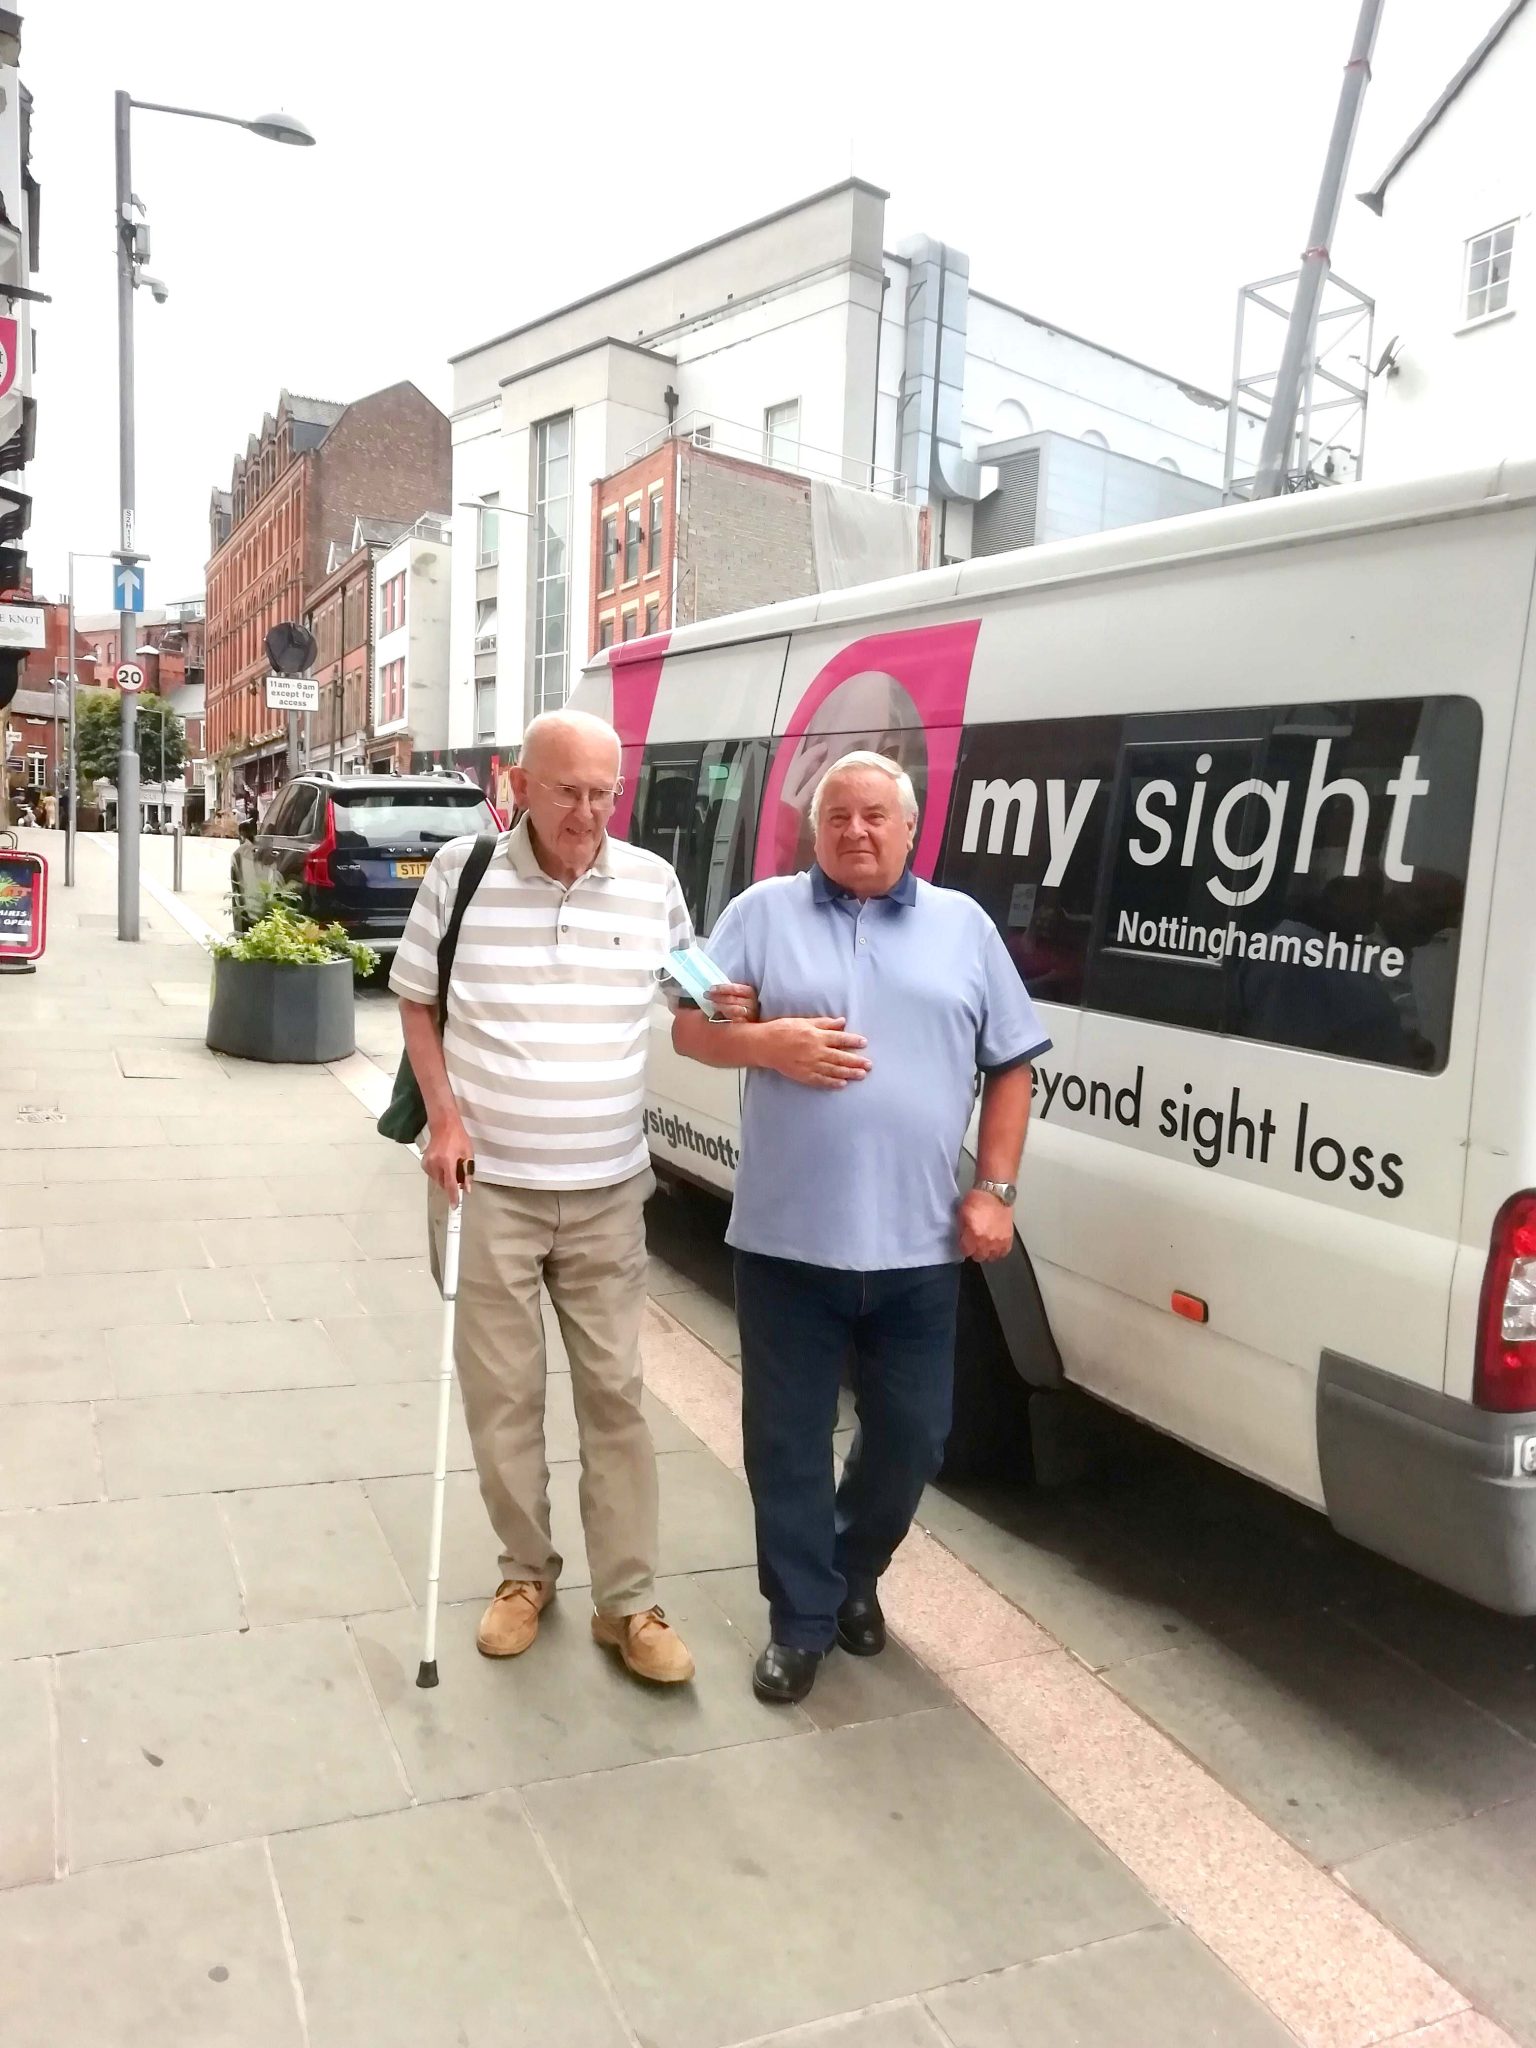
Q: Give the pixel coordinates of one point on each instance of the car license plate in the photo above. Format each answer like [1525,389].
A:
[410,870]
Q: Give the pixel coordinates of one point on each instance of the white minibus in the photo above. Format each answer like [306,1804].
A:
[1251,796]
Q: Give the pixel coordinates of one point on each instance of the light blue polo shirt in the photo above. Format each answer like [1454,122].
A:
[863,1177]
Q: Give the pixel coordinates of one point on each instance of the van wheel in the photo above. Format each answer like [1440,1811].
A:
[989,1436]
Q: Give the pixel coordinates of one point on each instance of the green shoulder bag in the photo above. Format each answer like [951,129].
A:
[406,1117]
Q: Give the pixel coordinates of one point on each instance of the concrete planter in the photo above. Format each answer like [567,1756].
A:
[263,1011]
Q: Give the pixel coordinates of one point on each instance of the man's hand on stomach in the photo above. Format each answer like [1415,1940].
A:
[817,1052]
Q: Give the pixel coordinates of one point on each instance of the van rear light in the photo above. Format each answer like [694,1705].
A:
[317,862]
[1505,1376]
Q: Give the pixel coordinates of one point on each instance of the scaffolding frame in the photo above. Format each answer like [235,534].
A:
[1328,441]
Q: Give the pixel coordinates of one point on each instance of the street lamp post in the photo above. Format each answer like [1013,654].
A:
[271,128]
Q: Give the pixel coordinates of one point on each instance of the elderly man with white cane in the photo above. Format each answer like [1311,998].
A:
[536,1085]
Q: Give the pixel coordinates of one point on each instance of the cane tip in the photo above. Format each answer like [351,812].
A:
[427,1675]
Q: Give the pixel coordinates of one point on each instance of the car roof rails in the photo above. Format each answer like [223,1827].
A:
[321,774]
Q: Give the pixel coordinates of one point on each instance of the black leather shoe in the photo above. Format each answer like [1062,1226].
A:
[782,1675]
[861,1626]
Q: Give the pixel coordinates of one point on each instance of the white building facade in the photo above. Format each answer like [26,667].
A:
[412,595]
[798,341]
[1454,270]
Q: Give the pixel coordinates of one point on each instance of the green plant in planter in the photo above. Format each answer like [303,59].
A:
[283,936]
[282,989]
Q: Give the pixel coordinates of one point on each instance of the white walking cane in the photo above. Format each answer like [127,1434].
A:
[427,1674]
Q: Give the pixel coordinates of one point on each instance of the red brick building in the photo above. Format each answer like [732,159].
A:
[316,467]
[34,733]
[34,743]
[687,532]
[634,548]
[178,631]
[340,615]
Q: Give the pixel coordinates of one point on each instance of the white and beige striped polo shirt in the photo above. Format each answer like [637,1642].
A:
[548,1006]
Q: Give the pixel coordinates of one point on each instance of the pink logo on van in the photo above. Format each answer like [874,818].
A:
[901,694]
[636,671]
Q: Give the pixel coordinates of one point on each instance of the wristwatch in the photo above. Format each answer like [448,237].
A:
[1006,1191]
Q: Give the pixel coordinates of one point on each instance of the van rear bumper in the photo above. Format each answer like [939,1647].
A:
[1429,1481]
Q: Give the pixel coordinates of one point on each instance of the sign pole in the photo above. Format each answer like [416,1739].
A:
[128,749]
[291,649]
[71,785]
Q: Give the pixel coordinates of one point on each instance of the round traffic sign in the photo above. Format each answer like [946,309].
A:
[130,676]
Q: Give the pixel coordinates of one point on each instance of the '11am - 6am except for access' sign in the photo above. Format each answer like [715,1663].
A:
[23,905]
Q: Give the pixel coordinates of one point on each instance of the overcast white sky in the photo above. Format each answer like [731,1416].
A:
[1119,166]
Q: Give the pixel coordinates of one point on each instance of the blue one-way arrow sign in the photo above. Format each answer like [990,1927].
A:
[128,587]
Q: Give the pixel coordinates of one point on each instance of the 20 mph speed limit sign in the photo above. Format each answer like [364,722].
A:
[130,676]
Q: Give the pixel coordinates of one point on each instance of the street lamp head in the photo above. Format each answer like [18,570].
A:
[281,128]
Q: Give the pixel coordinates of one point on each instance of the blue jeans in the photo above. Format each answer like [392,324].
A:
[818,1544]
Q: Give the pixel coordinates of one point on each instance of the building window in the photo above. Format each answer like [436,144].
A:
[781,434]
[37,768]
[393,605]
[633,535]
[552,532]
[605,631]
[653,548]
[610,550]
[485,710]
[652,614]
[488,536]
[630,624]
[391,692]
[1488,262]
[485,626]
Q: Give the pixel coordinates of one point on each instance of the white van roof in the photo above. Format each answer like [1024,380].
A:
[1225,530]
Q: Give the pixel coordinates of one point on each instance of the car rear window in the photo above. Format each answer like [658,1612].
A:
[422,817]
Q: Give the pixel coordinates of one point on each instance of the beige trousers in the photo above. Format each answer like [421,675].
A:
[588,1248]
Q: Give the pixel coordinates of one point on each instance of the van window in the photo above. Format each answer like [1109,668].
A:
[1288,873]
[697,807]
[1027,829]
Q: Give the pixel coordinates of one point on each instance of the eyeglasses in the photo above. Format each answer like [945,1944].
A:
[569,794]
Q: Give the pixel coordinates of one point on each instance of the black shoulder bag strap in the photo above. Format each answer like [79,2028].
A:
[448,945]
[405,1117]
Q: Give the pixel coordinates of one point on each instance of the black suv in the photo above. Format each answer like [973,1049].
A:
[355,847]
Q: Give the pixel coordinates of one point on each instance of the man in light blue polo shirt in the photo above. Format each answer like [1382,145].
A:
[864,1004]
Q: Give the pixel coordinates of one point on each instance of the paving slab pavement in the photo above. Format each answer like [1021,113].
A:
[230,1815]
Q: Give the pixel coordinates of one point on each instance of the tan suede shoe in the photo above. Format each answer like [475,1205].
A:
[648,1643]
[511,1621]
